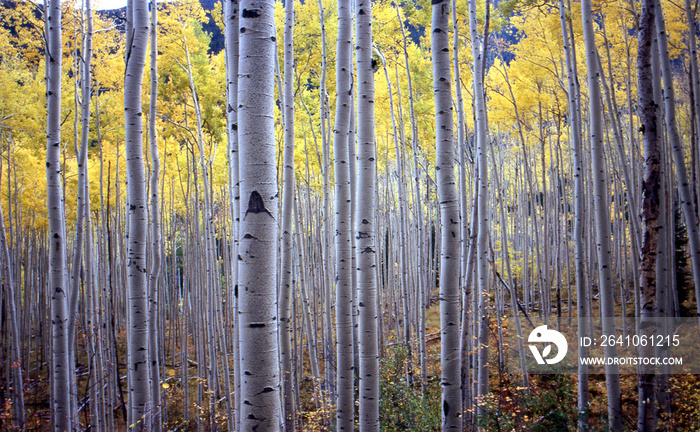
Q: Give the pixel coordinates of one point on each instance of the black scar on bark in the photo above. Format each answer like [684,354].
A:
[250,13]
[256,204]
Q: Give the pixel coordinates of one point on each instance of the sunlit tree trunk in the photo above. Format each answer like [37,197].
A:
[365,228]
[345,412]
[287,280]
[449,220]
[260,379]
[602,217]
[137,276]
[577,235]
[231,21]
[60,358]
[156,243]
[482,253]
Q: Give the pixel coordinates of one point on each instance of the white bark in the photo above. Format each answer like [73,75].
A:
[60,371]
[577,235]
[231,18]
[482,253]
[260,370]
[137,276]
[365,222]
[449,220]
[602,217]
[345,406]
[156,243]
[286,278]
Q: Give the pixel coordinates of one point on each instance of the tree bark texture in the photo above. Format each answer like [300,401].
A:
[449,220]
[257,284]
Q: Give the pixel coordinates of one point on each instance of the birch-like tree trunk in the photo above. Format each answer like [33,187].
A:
[137,202]
[581,289]
[365,222]
[345,406]
[260,370]
[602,217]
[287,280]
[449,220]
[231,21]
[60,358]
[156,243]
[482,252]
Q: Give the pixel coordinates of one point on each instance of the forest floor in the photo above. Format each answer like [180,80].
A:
[550,404]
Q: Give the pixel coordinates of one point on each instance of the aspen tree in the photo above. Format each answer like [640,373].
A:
[137,276]
[449,220]
[345,412]
[260,370]
[482,253]
[58,288]
[602,217]
[365,222]
[581,290]
[422,276]
[231,28]
[156,242]
[286,278]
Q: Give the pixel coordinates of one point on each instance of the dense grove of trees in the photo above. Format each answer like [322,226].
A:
[246,240]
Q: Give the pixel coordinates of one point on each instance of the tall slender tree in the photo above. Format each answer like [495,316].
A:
[60,358]
[650,209]
[345,407]
[137,210]
[287,279]
[574,95]
[482,254]
[260,370]
[602,217]
[449,220]
[231,21]
[156,242]
[365,222]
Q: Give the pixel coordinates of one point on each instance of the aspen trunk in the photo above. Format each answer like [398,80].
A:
[365,222]
[260,386]
[482,253]
[156,243]
[343,230]
[577,234]
[58,289]
[137,277]
[602,218]
[231,30]
[449,221]
[287,281]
